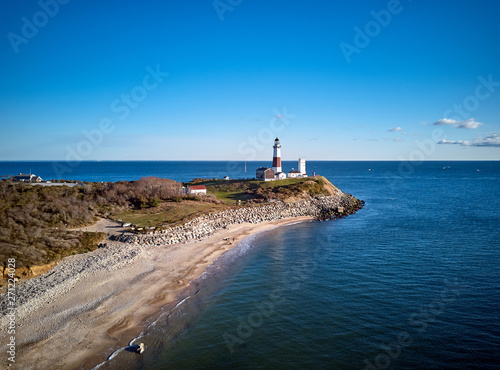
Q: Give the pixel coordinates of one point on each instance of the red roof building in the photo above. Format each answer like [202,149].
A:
[197,190]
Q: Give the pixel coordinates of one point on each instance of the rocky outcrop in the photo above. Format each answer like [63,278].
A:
[321,207]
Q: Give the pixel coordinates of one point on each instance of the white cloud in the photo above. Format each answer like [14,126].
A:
[492,140]
[469,123]
[398,139]
[453,142]
[445,121]
[395,129]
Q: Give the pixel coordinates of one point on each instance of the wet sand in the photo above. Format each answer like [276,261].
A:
[105,310]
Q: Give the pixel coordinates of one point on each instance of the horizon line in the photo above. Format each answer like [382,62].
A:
[243,160]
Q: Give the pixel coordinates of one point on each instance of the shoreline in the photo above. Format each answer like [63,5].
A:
[115,306]
[90,305]
[194,285]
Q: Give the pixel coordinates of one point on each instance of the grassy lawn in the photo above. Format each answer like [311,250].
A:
[167,213]
[230,197]
[268,184]
[230,191]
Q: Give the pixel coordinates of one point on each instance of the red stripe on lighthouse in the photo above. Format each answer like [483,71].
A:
[276,162]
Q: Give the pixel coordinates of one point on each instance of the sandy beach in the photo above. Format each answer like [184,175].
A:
[104,310]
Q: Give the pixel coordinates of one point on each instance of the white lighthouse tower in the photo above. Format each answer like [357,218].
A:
[302,167]
[277,156]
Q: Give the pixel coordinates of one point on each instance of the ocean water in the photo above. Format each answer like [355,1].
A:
[134,170]
[410,281]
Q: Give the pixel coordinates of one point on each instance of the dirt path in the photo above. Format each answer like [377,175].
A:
[106,226]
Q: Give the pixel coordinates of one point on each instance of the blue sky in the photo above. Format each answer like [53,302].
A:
[186,79]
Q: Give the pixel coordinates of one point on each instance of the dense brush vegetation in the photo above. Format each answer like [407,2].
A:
[35,221]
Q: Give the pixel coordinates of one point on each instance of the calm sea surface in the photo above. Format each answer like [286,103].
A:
[410,281]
